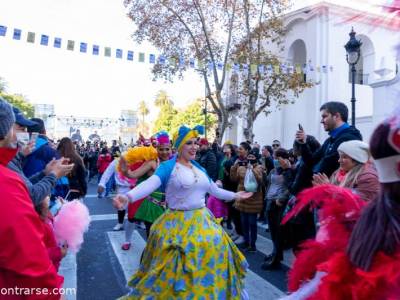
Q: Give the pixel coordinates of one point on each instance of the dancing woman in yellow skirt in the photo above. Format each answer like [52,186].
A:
[188,254]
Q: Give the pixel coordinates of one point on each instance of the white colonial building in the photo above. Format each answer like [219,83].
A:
[316,36]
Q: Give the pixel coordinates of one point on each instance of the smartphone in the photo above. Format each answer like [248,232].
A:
[300,127]
[56,206]
[34,136]
[242,163]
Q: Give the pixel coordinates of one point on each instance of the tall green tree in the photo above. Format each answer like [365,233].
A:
[21,103]
[193,115]
[257,91]
[17,100]
[165,118]
[143,110]
[208,30]
[203,29]
[162,99]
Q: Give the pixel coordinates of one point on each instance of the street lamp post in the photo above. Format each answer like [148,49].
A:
[352,57]
[205,110]
[201,71]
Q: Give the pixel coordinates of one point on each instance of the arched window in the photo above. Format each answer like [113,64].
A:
[297,55]
[366,64]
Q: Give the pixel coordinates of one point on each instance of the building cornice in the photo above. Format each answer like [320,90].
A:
[307,12]
[392,81]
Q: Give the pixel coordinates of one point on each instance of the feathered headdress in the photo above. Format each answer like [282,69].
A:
[162,138]
[140,154]
[338,211]
[332,201]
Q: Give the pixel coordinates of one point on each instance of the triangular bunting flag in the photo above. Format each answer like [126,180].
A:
[57,42]
[129,55]
[95,50]
[17,34]
[191,62]
[152,59]
[44,40]
[118,53]
[107,51]
[141,57]
[161,60]
[70,45]
[83,47]
[3,30]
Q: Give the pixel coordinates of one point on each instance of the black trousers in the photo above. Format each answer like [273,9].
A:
[234,215]
[274,214]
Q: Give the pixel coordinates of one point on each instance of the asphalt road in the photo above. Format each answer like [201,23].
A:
[101,269]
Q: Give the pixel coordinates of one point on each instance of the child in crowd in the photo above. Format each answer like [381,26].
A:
[56,253]
[218,207]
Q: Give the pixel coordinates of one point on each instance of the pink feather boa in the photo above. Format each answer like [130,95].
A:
[71,223]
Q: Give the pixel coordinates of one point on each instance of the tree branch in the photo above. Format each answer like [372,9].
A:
[228,45]
[203,25]
[267,101]
[197,51]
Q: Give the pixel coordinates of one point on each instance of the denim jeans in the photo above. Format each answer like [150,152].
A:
[109,184]
[249,227]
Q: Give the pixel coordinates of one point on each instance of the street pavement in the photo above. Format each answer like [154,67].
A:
[101,269]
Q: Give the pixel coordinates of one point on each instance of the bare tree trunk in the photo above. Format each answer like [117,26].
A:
[250,118]
[222,125]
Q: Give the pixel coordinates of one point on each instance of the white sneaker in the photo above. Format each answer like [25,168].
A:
[140,226]
[118,227]
[239,240]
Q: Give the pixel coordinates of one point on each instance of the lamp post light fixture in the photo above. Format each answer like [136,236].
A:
[202,72]
[352,57]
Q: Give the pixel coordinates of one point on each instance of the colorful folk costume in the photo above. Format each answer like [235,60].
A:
[153,206]
[188,255]
[135,157]
[356,254]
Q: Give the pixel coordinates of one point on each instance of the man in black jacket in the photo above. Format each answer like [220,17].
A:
[207,159]
[334,119]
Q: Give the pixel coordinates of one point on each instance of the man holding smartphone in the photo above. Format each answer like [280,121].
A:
[42,153]
[40,184]
[334,117]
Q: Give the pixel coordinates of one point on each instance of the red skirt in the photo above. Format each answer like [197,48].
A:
[133,207]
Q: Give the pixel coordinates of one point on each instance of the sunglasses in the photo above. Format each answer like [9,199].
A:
[275,145]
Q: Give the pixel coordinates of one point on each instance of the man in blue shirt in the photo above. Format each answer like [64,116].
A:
[42,154]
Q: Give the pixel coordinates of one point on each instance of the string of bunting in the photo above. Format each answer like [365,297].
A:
[94,49]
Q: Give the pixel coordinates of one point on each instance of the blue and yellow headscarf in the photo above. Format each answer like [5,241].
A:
[185,133]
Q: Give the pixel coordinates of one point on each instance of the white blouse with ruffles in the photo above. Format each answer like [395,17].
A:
[186,189]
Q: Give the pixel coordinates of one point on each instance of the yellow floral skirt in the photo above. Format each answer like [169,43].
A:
[189,256]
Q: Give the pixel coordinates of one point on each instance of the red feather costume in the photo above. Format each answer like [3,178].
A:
[339,209]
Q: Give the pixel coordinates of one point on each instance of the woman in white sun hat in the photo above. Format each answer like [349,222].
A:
[356,171]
